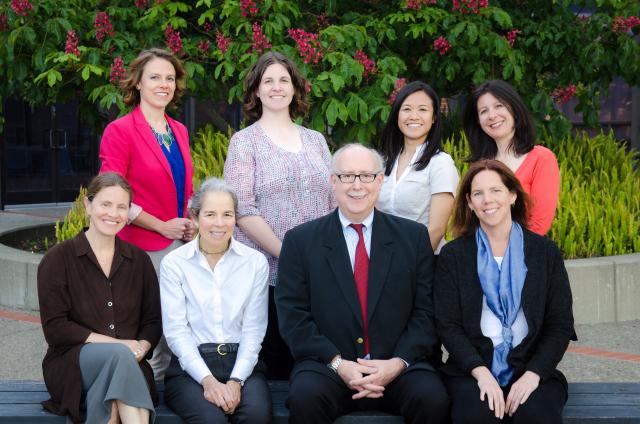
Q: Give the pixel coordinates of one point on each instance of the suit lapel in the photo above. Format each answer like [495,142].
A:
[340,264]
[144,132]
[381,253]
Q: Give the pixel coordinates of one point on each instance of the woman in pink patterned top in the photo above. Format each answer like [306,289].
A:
[280,172]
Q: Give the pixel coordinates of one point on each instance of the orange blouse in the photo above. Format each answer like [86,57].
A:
[540,177]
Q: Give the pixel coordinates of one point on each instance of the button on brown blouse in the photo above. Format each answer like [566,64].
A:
[76,298]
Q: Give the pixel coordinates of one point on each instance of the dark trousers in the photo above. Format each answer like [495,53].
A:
[419,396]
[275,352]
[543,406]
[185,396]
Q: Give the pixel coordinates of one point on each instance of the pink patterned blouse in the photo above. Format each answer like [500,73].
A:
[285,188]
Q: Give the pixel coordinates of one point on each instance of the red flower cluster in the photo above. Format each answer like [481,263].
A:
[141,4]
[71,46]
[417,4]
[117,70]
[308,45]
[207,27]
[621,25]
[103,26]
[222,42]
[512,36]
[21,7]
[399,85]
[323,21]
[307,87]
[369,64]
[203,46]
[248,8]
[563,94]
[260,42]
[469,6]
[441,45]
[173,39]
[3,22]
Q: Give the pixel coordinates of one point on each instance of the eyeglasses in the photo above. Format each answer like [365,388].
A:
[364,178]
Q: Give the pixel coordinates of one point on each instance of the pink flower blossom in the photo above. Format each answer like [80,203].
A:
[260,42]
[469,6]
[308,45]
[512,36]
[248,8]
[563,94]
[117,71]
[441,45]
[103,26]
[323,21]
[21,7]
[203,46]
[399,85]
[621,25]
[173,39]
[222,42]
[141,4]
[417,4]
[369,64]
[71,46]
[207,27]
[3,22]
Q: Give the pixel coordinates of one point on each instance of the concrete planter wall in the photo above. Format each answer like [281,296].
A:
[604,289]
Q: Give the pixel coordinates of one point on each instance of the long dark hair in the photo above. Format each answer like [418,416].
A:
[392,140]
[465,221]
[482,146]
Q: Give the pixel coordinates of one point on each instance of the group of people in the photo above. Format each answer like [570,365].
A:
[328,270]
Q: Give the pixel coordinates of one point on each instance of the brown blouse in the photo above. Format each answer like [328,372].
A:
[76,298]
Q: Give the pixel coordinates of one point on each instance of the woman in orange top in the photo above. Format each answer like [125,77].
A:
[499,126]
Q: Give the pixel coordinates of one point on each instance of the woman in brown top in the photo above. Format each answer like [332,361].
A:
[100,311]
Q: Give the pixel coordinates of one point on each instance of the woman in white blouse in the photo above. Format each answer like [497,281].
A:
[214,313]
[420,179]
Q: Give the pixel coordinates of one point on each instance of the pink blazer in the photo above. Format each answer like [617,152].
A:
[129,148]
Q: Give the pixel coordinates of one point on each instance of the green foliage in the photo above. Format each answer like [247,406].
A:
[75,220]
[348,101]
[208,152]
[599,208]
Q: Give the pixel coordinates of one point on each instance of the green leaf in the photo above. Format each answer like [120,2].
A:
[337,82]
[502,18]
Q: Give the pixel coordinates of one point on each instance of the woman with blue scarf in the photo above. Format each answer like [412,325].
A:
[503,306]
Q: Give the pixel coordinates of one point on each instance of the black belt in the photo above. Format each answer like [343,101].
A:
[219,348]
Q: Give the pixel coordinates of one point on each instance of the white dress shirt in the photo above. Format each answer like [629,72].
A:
[225,305]
[351,235]
[492,327]
[409,195]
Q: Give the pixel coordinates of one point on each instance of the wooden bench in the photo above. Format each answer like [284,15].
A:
[589,403]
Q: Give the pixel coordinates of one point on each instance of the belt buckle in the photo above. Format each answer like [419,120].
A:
[219,351]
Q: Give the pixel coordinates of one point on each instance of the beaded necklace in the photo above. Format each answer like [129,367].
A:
[165,139]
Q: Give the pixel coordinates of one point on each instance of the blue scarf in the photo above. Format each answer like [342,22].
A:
[503,290]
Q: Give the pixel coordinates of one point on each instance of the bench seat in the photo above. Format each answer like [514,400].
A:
[589,403]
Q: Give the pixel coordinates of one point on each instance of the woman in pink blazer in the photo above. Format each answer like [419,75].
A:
[151,151]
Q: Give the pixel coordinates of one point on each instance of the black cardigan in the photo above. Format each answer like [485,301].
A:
[546,302]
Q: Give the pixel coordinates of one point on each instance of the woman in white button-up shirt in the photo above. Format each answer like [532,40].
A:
[420,179]
[214,313]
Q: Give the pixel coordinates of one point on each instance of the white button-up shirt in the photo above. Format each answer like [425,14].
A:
[351,235]
[225,305]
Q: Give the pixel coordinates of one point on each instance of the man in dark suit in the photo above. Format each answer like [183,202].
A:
[355,308]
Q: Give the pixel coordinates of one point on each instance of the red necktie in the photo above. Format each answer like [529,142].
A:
[361,275]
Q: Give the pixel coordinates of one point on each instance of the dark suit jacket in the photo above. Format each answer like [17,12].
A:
[318,309]
[546,302]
